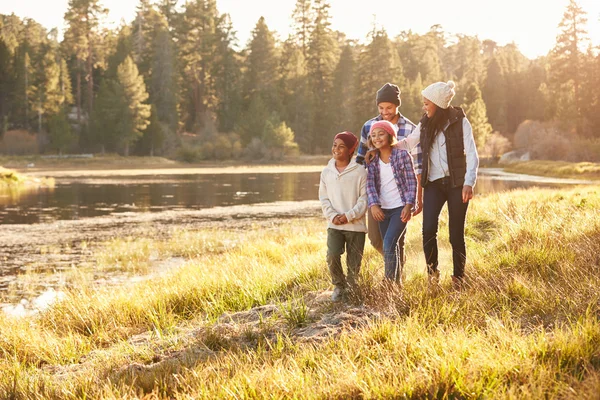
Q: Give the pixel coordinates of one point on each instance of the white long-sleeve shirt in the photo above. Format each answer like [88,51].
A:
[344,193]
[438,156]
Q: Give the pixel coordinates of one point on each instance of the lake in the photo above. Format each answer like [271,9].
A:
[84,196]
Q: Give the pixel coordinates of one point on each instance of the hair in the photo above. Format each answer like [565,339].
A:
[438,122]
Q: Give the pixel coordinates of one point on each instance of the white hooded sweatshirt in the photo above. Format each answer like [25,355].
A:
[344,193]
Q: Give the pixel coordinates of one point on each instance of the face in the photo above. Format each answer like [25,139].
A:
[387,110]
[340,151]
[429,108]
[380,138]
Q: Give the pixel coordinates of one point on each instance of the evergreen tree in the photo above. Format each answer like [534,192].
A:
[123,48]
[163,84]
[476,112]
[260,82]
[294,91]
[466,63]
[52,97]
[303,17]
[262,65]
[83,40]
[154,135]
[197,44]
[412,100]
[343,94]
[378,64]
[421,54]
[167,9]
[135,94]
[322,57]
[111,120]
[228,76]
[567,59]
[60,132]
[5,85]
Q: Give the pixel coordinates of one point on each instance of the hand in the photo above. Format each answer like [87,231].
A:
[418,206]
[406,213]
[370,156]
[467,193]
[419,200]
[342,219]
[378,214]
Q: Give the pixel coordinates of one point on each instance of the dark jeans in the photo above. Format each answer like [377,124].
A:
[353,243]
[435,194]
[393,231]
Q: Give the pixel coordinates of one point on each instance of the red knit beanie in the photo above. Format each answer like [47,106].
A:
[349,140]
[386,126]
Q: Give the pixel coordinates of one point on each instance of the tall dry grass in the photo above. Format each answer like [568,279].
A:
[526,326]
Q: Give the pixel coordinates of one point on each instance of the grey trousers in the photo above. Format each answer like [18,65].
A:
[353,243]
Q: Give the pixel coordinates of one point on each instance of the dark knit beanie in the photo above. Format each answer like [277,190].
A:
[349,140]
[389,93]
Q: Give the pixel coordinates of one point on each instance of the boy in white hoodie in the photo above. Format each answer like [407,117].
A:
[343,197]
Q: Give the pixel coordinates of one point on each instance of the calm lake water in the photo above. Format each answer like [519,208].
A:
[75,198]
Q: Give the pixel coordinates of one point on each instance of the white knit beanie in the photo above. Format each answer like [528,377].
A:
[440,93]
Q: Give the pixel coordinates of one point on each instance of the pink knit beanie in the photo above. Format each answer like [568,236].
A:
[386,126]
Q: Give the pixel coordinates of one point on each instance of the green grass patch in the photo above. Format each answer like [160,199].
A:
[560,169]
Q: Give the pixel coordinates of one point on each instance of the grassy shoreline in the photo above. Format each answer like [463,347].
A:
[113,161]
[248,316]
[13,183]
[558,169]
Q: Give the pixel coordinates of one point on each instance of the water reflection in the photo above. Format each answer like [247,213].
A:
[89,197]
[73,199]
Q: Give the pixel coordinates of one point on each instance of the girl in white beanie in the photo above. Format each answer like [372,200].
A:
[449,174]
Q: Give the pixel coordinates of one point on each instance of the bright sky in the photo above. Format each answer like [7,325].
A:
[531,24]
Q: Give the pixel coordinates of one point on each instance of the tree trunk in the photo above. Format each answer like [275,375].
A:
[79,95]
[26,98]
[90,80]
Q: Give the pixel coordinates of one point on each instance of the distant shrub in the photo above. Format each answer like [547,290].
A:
[221,146]
[189,154]
[546,141]
[276,143]
[19,142]
[495,146]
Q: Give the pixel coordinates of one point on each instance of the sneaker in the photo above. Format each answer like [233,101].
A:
[338,294]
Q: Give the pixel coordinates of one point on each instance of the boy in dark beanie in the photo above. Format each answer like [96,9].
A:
[388,101]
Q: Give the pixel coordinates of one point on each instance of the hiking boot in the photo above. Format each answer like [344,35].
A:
[434,278]
[338,294]
[353,287]
[458,283]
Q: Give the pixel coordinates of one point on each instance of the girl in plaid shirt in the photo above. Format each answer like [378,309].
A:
[391,192]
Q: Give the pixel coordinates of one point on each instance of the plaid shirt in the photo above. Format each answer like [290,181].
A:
[404,175]
[404,128]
